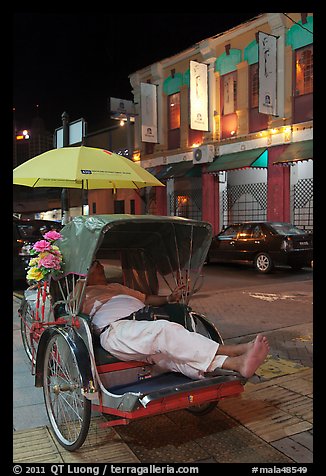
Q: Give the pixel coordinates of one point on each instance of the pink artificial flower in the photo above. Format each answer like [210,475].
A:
[49,261]
[57,254]
[52,235]
[42,245]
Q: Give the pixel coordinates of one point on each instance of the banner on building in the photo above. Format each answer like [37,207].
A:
[267,54]
[198,96]
[148,104]
[228,94]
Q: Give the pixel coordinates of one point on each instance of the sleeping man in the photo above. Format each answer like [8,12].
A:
[114,309]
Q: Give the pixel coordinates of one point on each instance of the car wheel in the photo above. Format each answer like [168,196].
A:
[263,263]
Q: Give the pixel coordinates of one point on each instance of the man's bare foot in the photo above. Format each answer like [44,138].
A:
[254,357]
[232,350]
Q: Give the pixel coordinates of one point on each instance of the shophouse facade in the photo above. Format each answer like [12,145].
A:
[244,159]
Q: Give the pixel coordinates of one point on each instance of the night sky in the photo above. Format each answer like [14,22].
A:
[75,62]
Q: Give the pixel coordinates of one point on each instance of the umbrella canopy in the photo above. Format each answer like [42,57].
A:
[82,167]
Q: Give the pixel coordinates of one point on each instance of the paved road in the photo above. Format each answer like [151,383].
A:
[225,276]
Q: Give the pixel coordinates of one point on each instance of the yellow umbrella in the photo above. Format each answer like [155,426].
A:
[83,167]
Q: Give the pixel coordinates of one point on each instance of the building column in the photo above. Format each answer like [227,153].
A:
[139,206]
[278,187]
[161,208]
[243,98]
[210,201]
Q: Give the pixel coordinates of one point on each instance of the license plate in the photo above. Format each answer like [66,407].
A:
[303,243]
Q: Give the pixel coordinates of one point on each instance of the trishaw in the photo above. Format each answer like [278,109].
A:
[152,254]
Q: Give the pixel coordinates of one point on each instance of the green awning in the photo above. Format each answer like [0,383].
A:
[296,152]
[256,158]
[179,169]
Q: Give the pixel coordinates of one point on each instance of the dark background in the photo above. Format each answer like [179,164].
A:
[75,62]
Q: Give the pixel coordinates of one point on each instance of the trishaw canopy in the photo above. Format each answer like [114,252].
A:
[171,243]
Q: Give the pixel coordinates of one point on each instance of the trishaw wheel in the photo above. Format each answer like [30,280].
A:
[68,410]
[26,328]
[200,410]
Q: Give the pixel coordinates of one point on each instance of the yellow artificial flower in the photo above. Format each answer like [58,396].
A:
[35,274]
[34,261]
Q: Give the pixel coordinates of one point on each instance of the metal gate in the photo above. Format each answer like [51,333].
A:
[187,204]
[302,200]
[245,202]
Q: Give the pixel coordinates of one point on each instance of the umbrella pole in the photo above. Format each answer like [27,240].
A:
[83,196]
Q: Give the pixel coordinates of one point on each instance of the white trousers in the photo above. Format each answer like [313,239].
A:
[161,342]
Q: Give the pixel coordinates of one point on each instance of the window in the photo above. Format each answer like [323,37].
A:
[195,138]
[229,232]
[174,121]
[245,232]
[174,111]
[257,121]
[119,206]
[229,118]
[304,71]
[303,84]
[257,232]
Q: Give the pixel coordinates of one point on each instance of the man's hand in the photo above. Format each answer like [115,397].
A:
[176,294]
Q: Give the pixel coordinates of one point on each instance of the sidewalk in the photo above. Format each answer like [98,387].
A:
[270,422]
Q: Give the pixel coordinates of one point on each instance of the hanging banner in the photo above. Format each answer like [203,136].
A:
[198,96]
[267,54]
[228,94]
[148,103]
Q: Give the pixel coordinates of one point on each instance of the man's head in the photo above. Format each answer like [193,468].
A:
[96,274]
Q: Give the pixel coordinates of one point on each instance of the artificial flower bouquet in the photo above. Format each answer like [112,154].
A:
[46,258]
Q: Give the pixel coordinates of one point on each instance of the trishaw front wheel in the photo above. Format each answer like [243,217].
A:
[27,321]
[68,410]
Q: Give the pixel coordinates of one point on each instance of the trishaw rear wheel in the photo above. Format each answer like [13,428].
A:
[68,410]
[203,409]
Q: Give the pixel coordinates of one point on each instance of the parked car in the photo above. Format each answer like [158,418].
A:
[25,234]
[264,244]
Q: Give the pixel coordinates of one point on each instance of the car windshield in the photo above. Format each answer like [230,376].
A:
[32,231]
[286,229]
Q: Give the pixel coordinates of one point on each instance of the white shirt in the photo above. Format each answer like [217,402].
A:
[117,307]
